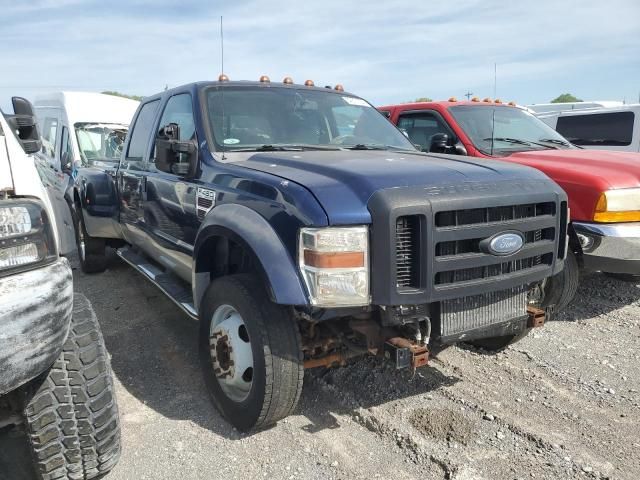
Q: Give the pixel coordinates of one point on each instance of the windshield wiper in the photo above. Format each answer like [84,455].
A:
[282,148]
[518,141]
[363,146]
[555,141]
[266,148]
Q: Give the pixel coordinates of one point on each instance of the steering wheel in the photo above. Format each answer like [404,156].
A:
[342,139]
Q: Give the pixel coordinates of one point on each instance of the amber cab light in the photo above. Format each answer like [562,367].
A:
[339,88]
[308,83]
[288,81]
[223,78]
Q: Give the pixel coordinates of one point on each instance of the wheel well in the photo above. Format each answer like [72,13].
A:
[219,256]
[574,245]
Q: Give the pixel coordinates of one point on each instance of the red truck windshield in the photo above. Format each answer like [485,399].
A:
[503,130]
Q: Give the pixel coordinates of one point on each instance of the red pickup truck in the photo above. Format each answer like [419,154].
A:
[603,187]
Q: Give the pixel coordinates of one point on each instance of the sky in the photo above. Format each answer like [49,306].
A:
[387,52]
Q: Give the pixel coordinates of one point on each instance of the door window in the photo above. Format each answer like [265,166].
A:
[597,129]
[179,110]
[50,136]
[65,146]
[420,127]
[141,131]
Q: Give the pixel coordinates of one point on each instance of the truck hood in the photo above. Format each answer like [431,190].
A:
[600,168]
[343,181]
[584,174]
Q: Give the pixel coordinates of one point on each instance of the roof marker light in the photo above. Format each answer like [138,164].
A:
[513,104]
[486,99]
[223,78]
[308,83]
[264,79]
[288,81]
[453,99]
[339,88]
[475,99]
[497,100]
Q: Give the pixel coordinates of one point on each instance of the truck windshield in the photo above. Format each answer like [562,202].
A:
[281,118]
[501,131]
[100,141]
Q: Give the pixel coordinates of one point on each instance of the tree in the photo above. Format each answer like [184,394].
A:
[565,98]
[123,95]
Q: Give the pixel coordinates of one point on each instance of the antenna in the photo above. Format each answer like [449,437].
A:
[222,87]
[493,128]
[495,80]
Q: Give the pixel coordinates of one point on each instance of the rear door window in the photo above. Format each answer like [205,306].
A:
[141,131]
[597,129]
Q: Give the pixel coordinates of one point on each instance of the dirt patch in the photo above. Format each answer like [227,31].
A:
[442,424]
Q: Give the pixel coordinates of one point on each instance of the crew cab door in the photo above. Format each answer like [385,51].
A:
[132,174]
[170,217]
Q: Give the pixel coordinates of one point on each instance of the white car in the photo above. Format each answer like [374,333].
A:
[604,128]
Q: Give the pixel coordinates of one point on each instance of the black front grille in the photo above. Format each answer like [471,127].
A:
[432,244]
[460,259]
[407,252]
[454,218]
[472,245]
[488,271]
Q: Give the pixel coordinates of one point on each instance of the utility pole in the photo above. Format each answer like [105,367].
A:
[468,94]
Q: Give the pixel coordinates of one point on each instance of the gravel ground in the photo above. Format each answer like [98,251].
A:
[562,403]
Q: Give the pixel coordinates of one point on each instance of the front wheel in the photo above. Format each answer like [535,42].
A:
[71,413]
[560,289]
[91,250]
[250,353]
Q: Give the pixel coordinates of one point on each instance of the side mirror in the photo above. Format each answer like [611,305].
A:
[173,155]
[439,143]
[24,124]
[66,163]
[460,150]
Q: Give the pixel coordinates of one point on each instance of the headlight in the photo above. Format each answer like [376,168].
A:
[618,206]
[334,262]
[26,235]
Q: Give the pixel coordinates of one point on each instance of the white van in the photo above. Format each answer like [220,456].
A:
[78,129]
[604,128]
[564,106]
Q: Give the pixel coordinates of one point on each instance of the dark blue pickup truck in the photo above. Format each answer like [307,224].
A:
[303,229]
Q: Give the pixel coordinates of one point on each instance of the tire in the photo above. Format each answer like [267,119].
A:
[71,417]
[91,250]
[272,339]
[497,344]
[560,289]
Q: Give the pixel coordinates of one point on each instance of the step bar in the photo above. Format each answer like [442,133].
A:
[175,289]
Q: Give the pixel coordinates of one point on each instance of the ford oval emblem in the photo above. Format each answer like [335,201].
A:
[506,243]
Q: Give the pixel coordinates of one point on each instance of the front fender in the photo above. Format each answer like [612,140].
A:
[97,192]
[252,231]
